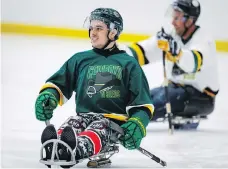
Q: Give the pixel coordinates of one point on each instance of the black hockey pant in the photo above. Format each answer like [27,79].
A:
[185,101]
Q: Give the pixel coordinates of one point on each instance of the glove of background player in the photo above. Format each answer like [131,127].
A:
[134,131]
[46,102]
[166,43]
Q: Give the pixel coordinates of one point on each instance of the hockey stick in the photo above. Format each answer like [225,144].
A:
[168,105]
[120,130]
[166,83]
[152,156]
[47,122]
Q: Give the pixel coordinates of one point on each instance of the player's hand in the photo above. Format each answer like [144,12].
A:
[134,131]
[166,43]
[46,102]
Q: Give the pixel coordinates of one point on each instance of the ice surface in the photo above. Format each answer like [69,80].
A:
[28,61]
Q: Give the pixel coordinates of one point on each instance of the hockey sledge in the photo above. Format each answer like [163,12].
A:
[184,123]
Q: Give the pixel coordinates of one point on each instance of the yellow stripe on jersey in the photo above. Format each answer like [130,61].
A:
[116,117]
[148,106]
[139,53]
[209,93]
[49,85]
[198,60]
[151,108]
[125,118]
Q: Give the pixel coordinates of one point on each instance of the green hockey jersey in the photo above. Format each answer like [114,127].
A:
[104,82]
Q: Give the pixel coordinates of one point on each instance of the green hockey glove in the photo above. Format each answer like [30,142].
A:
[46,102]
[134,131]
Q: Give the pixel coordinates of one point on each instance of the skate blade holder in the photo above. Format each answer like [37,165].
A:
[102,159]
[183,120]
[104,155]
[99,163]
[54,154]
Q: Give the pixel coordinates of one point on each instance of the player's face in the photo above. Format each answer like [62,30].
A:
[98,33]
[178,22]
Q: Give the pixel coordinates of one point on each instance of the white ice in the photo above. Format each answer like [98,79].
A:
[28,61]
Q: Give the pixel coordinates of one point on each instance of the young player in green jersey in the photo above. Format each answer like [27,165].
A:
[110,87]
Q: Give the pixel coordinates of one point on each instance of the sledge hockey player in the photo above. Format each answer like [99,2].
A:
[191,63]
[107,97]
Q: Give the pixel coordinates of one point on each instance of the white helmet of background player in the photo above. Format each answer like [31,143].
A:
[108,16]
[184,14]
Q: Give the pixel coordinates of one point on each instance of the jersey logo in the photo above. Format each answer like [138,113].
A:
[102,79]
